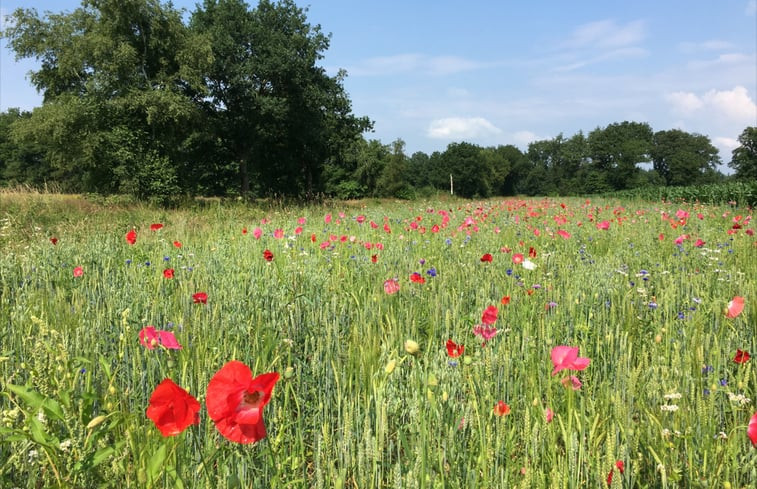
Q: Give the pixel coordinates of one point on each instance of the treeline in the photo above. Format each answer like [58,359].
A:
[606,160]
[138,101]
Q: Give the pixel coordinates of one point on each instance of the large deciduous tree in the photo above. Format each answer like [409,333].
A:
[682,158]
[617,149]
[744,157]
[279,115]
[118,79]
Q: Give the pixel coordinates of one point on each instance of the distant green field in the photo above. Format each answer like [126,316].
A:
[353,306]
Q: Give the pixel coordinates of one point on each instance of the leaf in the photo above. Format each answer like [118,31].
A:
[52,409]
[102,455]
[155,463]
[37,430]
[30,397]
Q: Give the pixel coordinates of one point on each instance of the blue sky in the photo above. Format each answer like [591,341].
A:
[506,72]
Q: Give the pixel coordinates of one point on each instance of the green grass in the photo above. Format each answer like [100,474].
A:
[69,349]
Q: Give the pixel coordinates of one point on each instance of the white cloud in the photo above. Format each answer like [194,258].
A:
[735,105]
[729,143]
[709,45]
[684,102]
[414,62]
[461,127]
[523,138]
[606,34]
[613,55]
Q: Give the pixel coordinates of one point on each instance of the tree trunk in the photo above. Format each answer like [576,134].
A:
[244,177]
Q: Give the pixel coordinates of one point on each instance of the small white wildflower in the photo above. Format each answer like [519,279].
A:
[740,399]
[65,445]
[41,417]
[665,433]
[672,395]
[669,407]
[33,455]
[721,436]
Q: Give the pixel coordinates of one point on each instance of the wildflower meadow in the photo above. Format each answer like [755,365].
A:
[545,343]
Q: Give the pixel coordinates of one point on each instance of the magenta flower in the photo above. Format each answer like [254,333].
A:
[566,358]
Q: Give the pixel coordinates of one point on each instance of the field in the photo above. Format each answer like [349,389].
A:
[353,304]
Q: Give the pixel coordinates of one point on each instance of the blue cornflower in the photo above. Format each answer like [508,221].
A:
[431,272]
[509,272]
[166,258]
[128,261]
[707,369]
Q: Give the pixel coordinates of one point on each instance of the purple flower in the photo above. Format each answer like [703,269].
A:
[431,272]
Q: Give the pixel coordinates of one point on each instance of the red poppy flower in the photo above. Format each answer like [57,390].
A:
[621,468]
[78,272]
[374,258]
[417,278]
[741,356]
[268,255]
[501,408]
[168,273]
[172,409]
[235,401]
[177,244]
[156,226]
[531,252]
[505,300]
[244,230]
[54,240]
[518,258]
[131,237]
[453,349]
[490,315]
[487,258]
[200,298]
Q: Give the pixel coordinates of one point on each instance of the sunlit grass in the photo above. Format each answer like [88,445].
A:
[648,313]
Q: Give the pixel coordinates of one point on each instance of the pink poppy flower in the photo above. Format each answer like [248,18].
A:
[301,221]
[564,234]
[327,218]
[278,233]
[573,382]
[391,286]
[257,232]
[604,225]
[78,272]
[566,358]
[680,239]
[298,230]
[548,415]
[752,430]
[518,258]
[168,340]
[486,332]
[148,337]
[734,308]
[699,243]
[490,315]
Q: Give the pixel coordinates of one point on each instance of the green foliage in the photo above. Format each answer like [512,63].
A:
[738,193]
[744,157]
[682,158]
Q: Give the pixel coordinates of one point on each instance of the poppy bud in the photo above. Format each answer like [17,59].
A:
[390,366]
[411,347]
[95,421]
